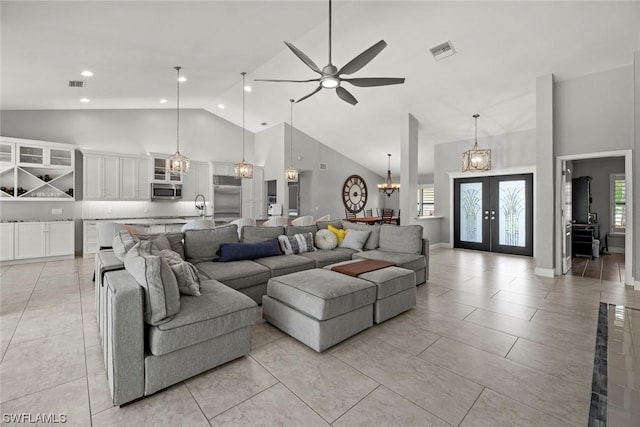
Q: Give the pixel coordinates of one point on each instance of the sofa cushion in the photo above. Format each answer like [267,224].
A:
[218,311]
[322,294]
[374,238]
[253,234]
[405,238]
[326,257]
[203,245]
[355,239]
[339,232]
[240,251]
[301,229]
[185,272]
[412,262]
[325,239]
[323,225]
[297,243]
[235,274]
[153,274]
[285,264]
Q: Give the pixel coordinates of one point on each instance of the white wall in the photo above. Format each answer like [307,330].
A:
[509,150]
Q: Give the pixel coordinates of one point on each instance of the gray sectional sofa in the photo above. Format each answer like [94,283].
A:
[146,351]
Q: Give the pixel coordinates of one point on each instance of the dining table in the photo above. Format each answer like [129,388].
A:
[370,219]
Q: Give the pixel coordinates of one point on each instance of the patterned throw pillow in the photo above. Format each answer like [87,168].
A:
[325,239]
[185,272]
[340,233]
[296,244]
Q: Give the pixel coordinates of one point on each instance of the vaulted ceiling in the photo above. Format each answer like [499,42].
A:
[132,46]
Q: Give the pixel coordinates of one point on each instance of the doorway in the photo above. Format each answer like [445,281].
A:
[494,214]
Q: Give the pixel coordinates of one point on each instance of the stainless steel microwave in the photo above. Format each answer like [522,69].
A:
[166,191]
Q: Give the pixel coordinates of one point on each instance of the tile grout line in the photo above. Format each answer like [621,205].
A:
[472,405]
[184,382]
[598,403]
[84,344]
[357,403]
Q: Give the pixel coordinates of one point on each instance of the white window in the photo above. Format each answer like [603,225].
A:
[618,204]
[426,201]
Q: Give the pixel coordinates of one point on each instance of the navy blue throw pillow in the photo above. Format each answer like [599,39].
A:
[240,251]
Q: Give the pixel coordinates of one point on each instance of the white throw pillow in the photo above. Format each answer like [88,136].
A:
[355,239]
[325,239]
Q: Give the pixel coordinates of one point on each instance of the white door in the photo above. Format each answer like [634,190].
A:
[29,240]
[6,241]
[567,215]
[59,238]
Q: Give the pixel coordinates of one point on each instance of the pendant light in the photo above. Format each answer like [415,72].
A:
[388,187]
[177,162]
[292,172]
[476,159]
[243,169]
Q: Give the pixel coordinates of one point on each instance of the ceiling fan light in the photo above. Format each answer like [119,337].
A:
[330,82]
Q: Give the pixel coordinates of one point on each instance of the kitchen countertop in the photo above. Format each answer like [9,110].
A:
[148,221]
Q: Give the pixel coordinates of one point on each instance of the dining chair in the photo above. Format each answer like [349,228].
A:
[303,220]
[241,222]
[368,212]
[387,216]
[198,224]
[275,221]
[349,214]
[326,217]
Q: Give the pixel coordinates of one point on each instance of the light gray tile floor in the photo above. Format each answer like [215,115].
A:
[489,344]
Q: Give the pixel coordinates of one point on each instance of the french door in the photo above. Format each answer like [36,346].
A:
[494,213]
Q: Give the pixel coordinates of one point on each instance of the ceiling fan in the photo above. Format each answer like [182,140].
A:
[330,75]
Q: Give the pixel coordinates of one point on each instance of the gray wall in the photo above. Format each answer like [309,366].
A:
[508,151]
[203,136]
[600,170]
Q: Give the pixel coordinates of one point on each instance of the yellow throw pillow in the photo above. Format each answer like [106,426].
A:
[340,233]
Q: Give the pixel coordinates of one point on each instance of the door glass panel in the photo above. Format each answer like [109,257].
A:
[471,212]
[512,208]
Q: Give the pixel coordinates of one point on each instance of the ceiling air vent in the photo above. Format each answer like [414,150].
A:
[77,83]
[443,50]
[323,166]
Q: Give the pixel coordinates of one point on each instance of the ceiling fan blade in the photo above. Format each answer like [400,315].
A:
[312,93]
[292,81]
[375,81]
[345,95]
[304,58]
[363,59]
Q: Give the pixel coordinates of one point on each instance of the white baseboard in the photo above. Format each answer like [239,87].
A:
[636,284]
[544,272]
[439,245]
[615,250]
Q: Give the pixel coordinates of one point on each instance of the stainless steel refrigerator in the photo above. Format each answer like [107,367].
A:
[227,198]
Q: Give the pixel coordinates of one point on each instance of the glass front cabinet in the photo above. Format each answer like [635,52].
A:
[36,170]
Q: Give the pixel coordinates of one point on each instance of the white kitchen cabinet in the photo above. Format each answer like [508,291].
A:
[43,239]
[6,241]
[134,178]
[161,170]
[101,177]
[44,156]
[173,228]
[7,153]
[197,181]
[89,238]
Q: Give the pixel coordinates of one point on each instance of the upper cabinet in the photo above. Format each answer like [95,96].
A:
[101,176]
[36,170]
[197,181]
[161,171]
[134,178]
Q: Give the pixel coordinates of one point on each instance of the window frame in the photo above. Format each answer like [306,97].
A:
[613,229]
[420,199]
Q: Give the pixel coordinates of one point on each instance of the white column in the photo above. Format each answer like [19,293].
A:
[544,218]
[636,169]
[408,169]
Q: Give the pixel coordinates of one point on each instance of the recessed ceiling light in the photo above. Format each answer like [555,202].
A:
[264,123]
[163,101]
[182,79]
[221,106]
[85,100]
[87,73]
[247,88]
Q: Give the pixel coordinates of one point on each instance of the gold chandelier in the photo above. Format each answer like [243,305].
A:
[292,173]
[388,187]
[177,162]
[243,169]
[477,159]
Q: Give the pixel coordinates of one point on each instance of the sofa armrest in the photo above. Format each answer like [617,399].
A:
[125,341]
[425,252]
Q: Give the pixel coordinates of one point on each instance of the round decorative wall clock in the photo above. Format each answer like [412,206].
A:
[354,193]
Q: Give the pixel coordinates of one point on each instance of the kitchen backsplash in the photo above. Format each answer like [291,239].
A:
[98,209]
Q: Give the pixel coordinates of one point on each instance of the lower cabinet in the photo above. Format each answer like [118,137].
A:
[6,241]
[43,239]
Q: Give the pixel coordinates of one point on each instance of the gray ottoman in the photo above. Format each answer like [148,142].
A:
[396,290]
[319,307]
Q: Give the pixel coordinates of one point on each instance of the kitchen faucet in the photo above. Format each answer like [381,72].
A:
[202,207]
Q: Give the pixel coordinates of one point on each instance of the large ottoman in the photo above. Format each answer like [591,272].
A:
[396,290]
[319,307]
